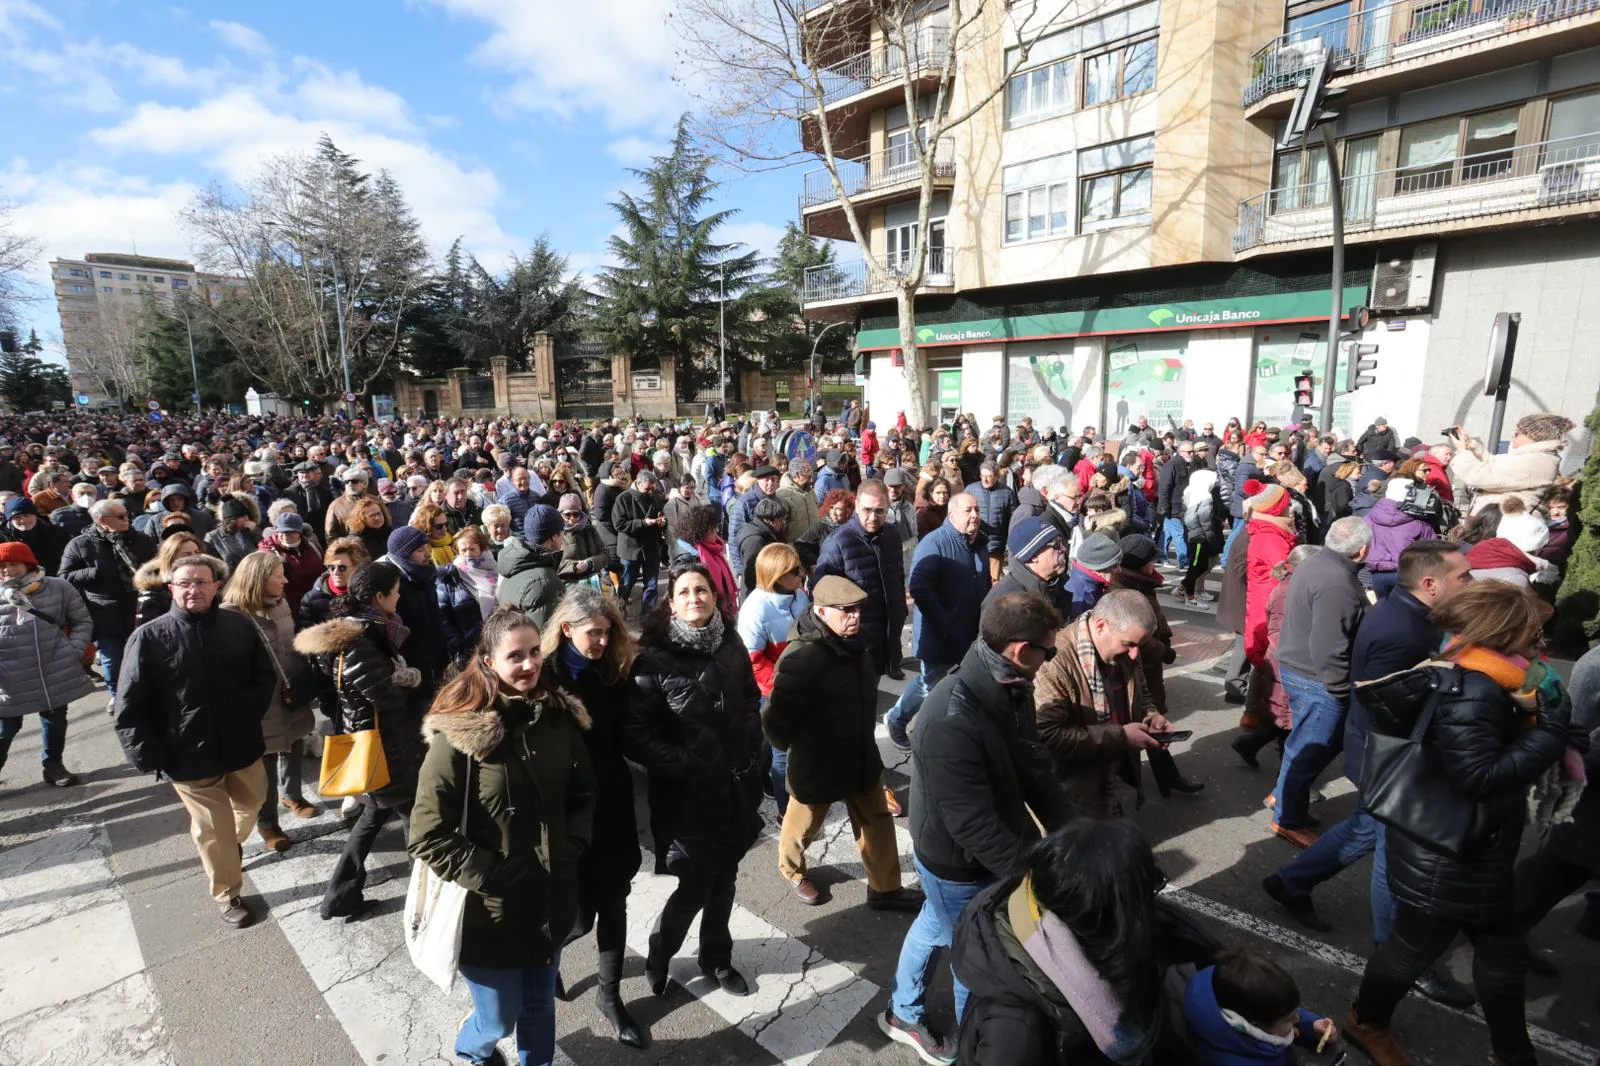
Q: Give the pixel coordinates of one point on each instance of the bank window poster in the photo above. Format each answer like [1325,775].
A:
[1045,382]
[1281,354]
[1146,375]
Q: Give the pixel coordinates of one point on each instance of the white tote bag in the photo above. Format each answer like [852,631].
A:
[433,914]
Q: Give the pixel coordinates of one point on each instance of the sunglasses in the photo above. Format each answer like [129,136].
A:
[1047,650]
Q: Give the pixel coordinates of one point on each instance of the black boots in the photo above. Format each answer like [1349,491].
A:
[609,998]
[1169,779]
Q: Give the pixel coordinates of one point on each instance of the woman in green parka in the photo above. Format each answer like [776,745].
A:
[504,740]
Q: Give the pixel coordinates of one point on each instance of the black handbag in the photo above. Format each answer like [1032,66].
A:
[1404,787]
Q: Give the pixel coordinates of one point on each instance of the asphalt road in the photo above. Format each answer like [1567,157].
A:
[110,951]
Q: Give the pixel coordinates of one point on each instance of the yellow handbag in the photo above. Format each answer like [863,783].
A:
[352,763]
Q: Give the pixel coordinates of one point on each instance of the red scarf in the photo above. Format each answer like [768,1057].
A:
[716,560]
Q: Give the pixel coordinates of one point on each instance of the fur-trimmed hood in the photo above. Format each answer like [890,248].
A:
[330,637]
[149,577]
[478,733]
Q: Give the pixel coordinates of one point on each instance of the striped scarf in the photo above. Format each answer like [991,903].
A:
[1089,664]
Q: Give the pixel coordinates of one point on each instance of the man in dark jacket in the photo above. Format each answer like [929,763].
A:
[1394,635]
[1038,561]
[1321,613]
[1172,479]
[822,711]
[949,577]
[996,502]
[740,510]
[24,526]
[867,551]
[766,524]
[189,708]
[311,496]
[74,518]
[977,769]
[1378,438]
[641,536]
[100,564]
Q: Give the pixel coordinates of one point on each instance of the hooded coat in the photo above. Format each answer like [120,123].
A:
[1219,1044]
[1270,544]
[1392,532]
[44,630]
[521,771]
[530,578]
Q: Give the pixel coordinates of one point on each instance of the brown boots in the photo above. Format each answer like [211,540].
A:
[1380,1045]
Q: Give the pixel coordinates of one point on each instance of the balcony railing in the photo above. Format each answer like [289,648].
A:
[1391,33]
[842,281]
[877,172]
[1524,178]
[930,46]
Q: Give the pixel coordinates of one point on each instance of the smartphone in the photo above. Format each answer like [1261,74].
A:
[1173,735]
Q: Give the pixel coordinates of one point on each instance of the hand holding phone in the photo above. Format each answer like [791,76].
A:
[1171,735]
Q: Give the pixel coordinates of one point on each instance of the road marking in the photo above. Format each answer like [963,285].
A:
[70,961]
[1571,1050]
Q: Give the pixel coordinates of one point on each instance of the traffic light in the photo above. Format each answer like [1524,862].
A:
[1357,364]
[1312,106]
[1303,391]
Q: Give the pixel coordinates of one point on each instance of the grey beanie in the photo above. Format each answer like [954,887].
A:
[1099,553]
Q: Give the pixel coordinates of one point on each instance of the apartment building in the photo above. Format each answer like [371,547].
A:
[100,298]
[1118,234]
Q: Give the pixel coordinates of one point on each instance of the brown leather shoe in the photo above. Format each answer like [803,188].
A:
[299,807]
[1380,1045]
[235,913]
[805,892]
[1300,838]
[274,838]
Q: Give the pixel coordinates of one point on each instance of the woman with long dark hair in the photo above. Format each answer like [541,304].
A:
[588,652]
[693,724]
[505,801]
[367,686]
[1060,959]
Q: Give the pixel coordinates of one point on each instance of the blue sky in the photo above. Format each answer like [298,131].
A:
[502,119]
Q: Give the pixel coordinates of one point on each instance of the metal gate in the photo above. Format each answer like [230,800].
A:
[583,380]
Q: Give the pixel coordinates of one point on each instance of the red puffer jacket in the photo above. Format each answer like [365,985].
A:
[1271,540]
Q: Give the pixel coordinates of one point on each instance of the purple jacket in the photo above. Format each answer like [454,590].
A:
[1392,531]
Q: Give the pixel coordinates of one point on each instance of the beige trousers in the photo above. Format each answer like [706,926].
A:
[874,831]
[222,813]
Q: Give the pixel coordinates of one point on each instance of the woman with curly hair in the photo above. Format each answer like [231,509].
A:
[368,520]
[435,525]
[837,507]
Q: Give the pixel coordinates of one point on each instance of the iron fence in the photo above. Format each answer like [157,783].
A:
[878,172]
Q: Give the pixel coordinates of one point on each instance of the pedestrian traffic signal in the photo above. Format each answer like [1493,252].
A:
[1358,367]
[1303,391]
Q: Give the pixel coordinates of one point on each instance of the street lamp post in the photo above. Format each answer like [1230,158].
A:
[194,369]
[722,338]
[816,389]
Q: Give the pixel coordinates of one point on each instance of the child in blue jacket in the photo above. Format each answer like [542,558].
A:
[1245,1011]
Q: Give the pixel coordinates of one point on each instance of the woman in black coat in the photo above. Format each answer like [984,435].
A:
[693,725]
[587,650]
[365,687]
[1499,723]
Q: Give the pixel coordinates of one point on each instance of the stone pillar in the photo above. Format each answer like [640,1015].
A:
[542,361]
[502,384]
[454,390]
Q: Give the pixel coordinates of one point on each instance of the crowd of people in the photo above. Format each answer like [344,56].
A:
[465,589]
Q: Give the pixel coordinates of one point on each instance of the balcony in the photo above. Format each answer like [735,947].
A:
[1397,46]
[835,285]
[1531,183]
[893,174]
[855,87]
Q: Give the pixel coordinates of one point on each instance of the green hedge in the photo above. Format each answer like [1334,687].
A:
[1577,620]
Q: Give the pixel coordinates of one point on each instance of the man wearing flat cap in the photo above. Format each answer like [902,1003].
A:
[739,513]
[823,712]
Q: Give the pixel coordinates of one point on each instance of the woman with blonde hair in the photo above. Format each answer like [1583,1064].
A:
[434,493]
[431,520]
[504,808]
[588,652]
[765,618]
[256,591]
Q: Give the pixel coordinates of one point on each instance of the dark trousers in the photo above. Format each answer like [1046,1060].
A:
[608,917]
[632,571]
[349,875]
[1499,966]
[1199,562]
[1544,880]
[53,724]
[709,895]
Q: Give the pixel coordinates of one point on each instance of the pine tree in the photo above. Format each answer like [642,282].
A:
[1577,620]
[27,382]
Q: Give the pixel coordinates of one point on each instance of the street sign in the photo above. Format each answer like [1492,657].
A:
[349,397]
[154,405]
[155,416]
[83,399]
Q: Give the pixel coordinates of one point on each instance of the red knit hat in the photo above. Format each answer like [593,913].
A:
[1266,499]
[14,551]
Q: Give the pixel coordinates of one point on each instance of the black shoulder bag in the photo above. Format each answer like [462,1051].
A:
[1404,787]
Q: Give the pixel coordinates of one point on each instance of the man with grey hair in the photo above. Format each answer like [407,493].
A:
[100,564]
[1095,715]
[1321,612]
[1063,499]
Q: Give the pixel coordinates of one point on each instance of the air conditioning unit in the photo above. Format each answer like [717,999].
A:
[1403,281]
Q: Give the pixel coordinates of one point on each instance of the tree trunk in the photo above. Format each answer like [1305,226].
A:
[916,381]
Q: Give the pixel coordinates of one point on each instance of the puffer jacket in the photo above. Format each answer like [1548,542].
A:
[1203,507]
[600,511]
[582,544]
[71,520]
[995,508]
[949,579]
[282,724]
[431,631]
[612,858]
[1482,743]
[823,710]
[316,603]
[41,667]
[45,540]
[1392,532]
[155,599]
[530,578]
[693,725]
[1270,543]
[1227,468]
[765,619]
[521,770]
[356,661]
[458,602]
[874,563]
[91,566]
[1526,472]
[740,511]
[234,546]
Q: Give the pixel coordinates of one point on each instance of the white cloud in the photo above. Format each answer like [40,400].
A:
[242,38]
[345,95]
[762,237]
[611,57]
[636,151]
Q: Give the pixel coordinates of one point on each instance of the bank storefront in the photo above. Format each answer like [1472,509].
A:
[1231,344]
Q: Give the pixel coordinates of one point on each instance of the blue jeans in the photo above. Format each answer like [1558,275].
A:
[1172,534]
[110,657]
[933,929]
[53,724]
[632,570]
[523,1000]
[1383,582]
[1344,845]
[780,781]
[910,702]
[1315,741]
[1227,545]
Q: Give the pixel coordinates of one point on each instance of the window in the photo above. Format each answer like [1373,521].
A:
[1117,69]
[1038,199]
[158,279]
[1039,93]
[105,273]
[1329,25]
[1575,126]
[80,288]
[107,288]
[1490,137]
[1300,179]
[127,291]
[1119,73]
[1114,182]
[1461,149]
[122,277]
[179,283]
[141,277]
[77,272]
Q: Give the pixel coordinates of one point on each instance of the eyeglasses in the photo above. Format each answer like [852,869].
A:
[854,608]
[440,525]
[191,584]
[874,510]
[337,568]
[1047,650]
